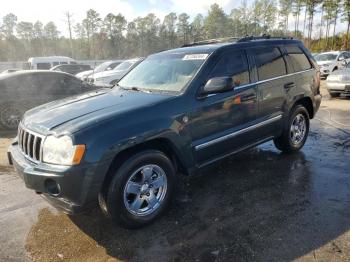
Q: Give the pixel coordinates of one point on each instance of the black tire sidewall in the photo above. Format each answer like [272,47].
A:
[115,199]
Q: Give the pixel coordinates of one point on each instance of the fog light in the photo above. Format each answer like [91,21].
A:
[52,187]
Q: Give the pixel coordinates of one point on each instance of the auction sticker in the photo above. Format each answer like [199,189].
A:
[195,57]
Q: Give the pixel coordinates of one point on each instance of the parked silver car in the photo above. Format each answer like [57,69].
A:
[338,82]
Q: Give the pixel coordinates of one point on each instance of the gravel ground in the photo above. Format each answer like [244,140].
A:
[258,205]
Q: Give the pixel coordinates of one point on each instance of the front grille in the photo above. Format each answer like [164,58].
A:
[30,144]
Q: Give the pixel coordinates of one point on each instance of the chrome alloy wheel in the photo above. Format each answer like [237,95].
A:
[145,190]
[298,129]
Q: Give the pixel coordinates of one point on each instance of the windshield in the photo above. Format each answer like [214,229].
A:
[125,65]
[169,73]
[326,57]
[101,67]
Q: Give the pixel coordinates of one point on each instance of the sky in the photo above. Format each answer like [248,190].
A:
[54,10]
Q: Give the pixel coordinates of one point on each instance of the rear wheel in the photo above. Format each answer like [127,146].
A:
[141,189]
[295,131]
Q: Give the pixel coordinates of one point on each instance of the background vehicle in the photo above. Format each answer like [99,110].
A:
[24,90]
[338,82]
[110,78]
[49,62]
[106,66]
[71,69]
[10,71]
[332,61]
[181,109]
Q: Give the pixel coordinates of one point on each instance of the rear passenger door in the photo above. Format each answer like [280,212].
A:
[302,71]
[273,84]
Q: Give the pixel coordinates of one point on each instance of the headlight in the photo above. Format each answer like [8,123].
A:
[102,78]
[61,151]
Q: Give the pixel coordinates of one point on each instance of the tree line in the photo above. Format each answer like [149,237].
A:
[95,37]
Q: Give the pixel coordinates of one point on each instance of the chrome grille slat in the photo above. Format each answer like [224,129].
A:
[30,144]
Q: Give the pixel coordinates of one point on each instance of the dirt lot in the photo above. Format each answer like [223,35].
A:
[256,206]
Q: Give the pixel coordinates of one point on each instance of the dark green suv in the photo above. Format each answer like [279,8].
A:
[177,111]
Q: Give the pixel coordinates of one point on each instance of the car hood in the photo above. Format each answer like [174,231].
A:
[115,73]
[320,63]
[70,113]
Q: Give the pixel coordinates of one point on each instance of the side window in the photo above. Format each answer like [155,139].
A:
[269,61]
[233,64]
[63,63]
[43,65]
[298,58]
[55,63]
[341,56]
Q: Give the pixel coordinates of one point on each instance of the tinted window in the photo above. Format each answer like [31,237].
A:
[55,63]
[233,64]
[43,65]
[298,58]
[269,62]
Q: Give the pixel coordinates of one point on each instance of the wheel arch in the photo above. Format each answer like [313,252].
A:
[307,103]
[162,144]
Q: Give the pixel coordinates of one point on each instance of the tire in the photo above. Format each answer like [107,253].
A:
[134,198]
[334,94]
[10,116]
[289,141]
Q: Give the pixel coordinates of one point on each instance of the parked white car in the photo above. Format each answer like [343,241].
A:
[45,63]
[105,66]
[332,61]
[110,78]
[339,82]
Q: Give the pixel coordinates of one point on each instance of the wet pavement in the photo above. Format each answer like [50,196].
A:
[259,205]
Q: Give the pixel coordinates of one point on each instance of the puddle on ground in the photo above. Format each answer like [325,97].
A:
[56,238]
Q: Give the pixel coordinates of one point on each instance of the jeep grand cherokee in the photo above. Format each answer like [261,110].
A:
[181,109]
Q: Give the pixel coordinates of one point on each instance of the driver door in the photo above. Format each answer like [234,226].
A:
[220,120]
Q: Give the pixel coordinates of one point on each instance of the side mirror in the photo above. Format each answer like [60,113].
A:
[217,85]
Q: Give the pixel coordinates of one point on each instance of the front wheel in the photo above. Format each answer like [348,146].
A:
[334,94]
[141,189]
[295,131]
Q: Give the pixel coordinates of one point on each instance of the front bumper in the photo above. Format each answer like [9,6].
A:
[338,86]
[70,189]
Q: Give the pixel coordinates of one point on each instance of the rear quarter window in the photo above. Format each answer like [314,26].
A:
[269,62]
[43,65]
[298,59]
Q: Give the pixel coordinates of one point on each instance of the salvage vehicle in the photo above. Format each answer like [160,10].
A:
[71,69]
[110,78]
[332,61]
[176,112]
[105,66]
[338,82]
[24,90]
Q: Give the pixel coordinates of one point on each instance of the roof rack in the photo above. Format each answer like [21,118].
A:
[263,37]
[213,41]
[235,40]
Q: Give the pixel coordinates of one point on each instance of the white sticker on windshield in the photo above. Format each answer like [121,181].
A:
[195,57]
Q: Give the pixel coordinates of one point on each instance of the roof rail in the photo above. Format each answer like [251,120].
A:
[213,41]
[235,39]
[263,37]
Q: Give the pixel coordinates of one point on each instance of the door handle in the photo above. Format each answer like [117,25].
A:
[289,85]
[248,97]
